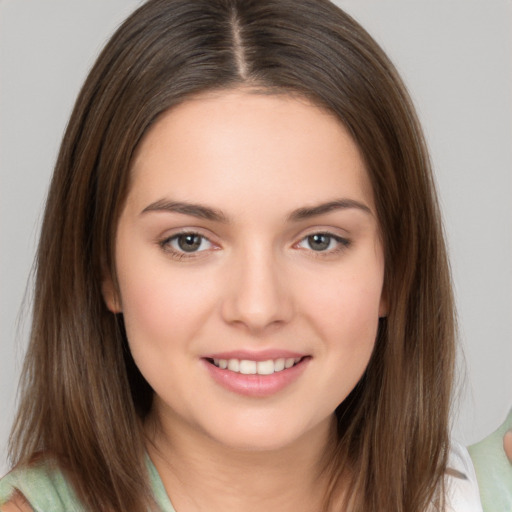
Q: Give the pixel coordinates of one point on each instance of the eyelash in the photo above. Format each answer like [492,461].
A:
[166,244]
[341,243]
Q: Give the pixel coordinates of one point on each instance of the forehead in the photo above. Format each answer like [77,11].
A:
[248,145]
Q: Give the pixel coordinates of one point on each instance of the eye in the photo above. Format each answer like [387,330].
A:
[323,242]
[184,243]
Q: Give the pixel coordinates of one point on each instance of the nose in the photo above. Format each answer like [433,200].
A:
[258,296]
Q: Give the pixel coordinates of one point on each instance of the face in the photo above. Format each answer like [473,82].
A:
[250,268]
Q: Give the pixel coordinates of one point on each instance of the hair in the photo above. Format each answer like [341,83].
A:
[83,400]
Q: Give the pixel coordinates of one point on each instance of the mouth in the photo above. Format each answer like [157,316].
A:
[251,367]
[256,375]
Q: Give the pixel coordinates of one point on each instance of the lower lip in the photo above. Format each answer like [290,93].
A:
[256,385]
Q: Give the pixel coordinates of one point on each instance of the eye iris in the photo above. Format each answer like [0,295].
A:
[189,243]
[319,242]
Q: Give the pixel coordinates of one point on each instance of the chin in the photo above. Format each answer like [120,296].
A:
[257,443]
[269,437]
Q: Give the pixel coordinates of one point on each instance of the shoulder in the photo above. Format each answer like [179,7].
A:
[461,483]
[493,470]
[40,487]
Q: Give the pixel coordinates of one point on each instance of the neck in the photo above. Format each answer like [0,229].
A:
[201,475]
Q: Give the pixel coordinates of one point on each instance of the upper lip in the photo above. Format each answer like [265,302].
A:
[261,355]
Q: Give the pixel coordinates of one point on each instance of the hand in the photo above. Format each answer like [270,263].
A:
[507,445]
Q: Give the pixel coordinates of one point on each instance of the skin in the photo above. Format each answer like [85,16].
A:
[507,445]
[256,283]
[18,503]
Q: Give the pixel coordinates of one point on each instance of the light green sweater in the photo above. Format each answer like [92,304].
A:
[493,470]
[47,490]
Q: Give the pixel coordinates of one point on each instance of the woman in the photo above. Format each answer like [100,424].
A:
[242,298]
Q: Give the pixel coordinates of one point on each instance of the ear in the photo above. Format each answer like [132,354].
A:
[110,294]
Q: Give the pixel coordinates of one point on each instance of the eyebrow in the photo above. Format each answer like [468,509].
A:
[195,210]
[337,204]
[205,212]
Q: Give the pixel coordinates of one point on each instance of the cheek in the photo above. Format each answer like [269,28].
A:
[348,304]
[161,307]
[163,312]
[348,324]
[345,314]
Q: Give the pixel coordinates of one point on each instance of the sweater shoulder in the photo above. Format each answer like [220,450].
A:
[43,485]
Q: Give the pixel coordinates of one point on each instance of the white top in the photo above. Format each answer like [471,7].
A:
[462,493]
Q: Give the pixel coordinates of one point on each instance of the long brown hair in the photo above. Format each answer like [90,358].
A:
[82,398]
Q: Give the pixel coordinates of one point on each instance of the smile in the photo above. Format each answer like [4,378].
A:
[256,376]
[250,367]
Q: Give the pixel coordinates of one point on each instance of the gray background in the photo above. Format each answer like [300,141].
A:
[455,56]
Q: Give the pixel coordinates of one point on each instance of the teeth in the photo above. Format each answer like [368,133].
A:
[248,367]
[234,365]
[279,365]
[266,367]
